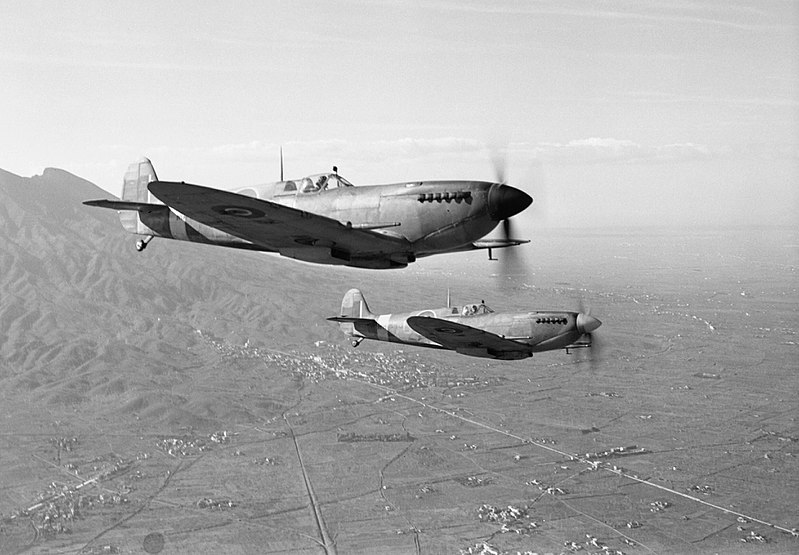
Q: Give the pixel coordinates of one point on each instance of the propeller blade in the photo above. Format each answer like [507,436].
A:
[594,352]
[510,258]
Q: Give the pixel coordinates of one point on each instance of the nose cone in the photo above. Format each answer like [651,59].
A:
[586,323]
[505,201]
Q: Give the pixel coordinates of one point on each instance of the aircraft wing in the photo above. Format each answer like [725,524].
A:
[461,338]
[269,224]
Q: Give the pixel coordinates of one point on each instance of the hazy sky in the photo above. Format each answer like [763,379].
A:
[609,113]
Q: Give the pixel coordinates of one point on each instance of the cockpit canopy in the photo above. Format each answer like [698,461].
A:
[475,309]
[317,182]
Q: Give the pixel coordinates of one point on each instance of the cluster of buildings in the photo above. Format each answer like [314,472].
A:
[551,490]
[222,436]
[395,370]
[350,437]
[603,394]
[269,461]
[657,506]
[182,446]
[217,504]
[704,490]
[100,549]
[480,548]
[753,536]
[485,548]
[541,441]
[614,452]
[186,446]
[64,443]
[592,543]
[511,519]
[473,481]
[62,504]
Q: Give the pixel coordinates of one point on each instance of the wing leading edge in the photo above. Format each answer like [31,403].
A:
[468,340]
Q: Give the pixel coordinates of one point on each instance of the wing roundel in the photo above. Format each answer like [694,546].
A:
[468,340]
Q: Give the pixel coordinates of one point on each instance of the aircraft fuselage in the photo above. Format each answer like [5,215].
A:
[326,219]
[534,331]
[433,217]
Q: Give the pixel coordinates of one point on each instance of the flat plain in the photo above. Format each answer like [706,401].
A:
[194,399]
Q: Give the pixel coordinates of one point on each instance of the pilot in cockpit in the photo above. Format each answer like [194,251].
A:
[473,309]
[308,185]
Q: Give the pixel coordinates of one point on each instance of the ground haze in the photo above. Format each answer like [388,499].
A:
[193,398]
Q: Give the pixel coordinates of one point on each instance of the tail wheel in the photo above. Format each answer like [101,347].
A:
[141,244]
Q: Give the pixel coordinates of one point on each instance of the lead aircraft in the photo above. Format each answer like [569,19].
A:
[322,218]
[473,329]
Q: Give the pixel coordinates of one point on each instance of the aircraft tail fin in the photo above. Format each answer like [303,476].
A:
[136,199]
[353,305]
[138,176]
[354,314]
[134,189]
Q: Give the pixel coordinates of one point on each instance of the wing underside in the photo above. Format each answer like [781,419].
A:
[468,340]
[271,225]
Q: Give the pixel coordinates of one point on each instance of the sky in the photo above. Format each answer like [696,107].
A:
[615,113]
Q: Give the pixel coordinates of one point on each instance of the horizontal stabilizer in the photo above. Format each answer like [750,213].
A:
[125,205]
[350,319]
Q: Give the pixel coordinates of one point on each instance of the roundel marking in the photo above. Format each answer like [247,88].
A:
[238,211]
[446,329]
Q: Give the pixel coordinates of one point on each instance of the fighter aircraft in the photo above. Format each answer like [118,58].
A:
[473,329]
[322,218]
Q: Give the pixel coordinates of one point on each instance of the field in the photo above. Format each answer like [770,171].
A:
[194,399]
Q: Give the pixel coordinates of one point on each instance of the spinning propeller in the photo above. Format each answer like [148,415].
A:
[504,202]
[587,324]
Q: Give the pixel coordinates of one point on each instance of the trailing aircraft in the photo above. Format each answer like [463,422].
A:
[473,329]
[322,218]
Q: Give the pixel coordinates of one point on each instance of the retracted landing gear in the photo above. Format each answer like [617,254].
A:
[141,244]
[356,341]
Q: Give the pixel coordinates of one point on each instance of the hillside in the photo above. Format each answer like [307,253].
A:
[81,312]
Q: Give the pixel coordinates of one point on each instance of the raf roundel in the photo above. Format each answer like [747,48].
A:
[238,211]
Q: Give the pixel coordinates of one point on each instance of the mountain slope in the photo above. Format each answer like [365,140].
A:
[80,309]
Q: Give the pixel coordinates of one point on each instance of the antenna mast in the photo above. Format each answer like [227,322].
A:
[281,163]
